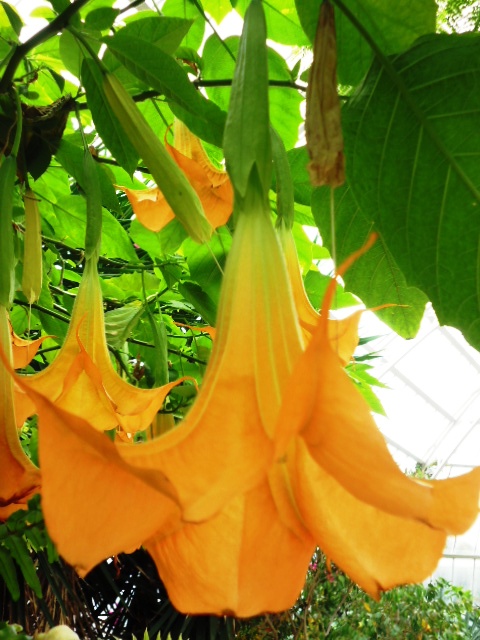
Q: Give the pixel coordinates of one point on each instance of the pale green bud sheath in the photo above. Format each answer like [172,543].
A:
[32,254]
[174,185]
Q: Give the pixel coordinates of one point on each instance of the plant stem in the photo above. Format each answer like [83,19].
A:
[59,23]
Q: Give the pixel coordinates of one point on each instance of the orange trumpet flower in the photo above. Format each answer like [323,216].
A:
[82,379]
[212,186]
[279,443]
[223,447]
[19,477]
[23,351]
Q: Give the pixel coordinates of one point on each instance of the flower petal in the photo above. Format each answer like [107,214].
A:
[343,438]
[376,549]
[242,562]
[226,442]
[82,378]
[212,186]
[24,350]
[94,505]
[150,207]
[343,332]
[19,477]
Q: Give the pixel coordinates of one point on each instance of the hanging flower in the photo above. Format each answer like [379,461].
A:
[23,351]
[378,525]
[19,477]
[82,379]
[335,486]
[331,480]
[223,447]
[211,185]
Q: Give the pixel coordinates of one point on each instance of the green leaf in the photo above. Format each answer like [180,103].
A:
[13,18]
[71,213]
[283,182]
[101,18]
[206,262]
[159,335]
[218,9]
[20,553]
[119,324]
[201,301]
[187,10]
[364,382]
[157,245]
[163,32]
[7,256]
[316,285]
[9,574]
[302,187]
[156,68]
[392,30]
[417,177]
[43,12]
[70,157]
[375,278]
[129,285]
[106,122]
[72,53]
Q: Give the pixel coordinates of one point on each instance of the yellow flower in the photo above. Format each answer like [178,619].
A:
[278,453]
[212,186]
[223,447]
[23,351]
[378,525]
[334,484]
[19,477]
[82,379]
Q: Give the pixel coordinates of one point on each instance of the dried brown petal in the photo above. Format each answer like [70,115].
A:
[322,126]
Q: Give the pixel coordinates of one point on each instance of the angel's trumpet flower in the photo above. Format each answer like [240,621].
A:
[223,447]
[82,379]
[19,477]
[334,483]
[23,351]
[211,185]
[279,453]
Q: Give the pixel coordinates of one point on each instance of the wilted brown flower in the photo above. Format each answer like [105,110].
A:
[322,125]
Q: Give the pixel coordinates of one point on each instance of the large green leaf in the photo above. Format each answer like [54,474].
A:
[284,102]
[394,28]
[71,215]
[163,32]
[71,158]
[206,262]
[413,145]
[375,278]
